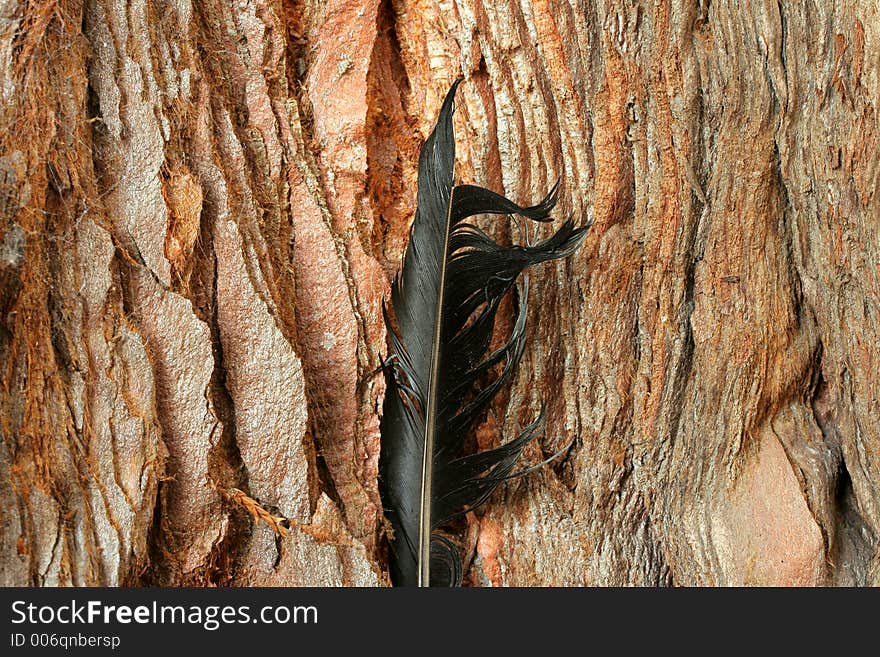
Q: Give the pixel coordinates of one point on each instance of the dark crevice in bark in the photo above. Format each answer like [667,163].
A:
[816,387]
[226,468]
[787,229]
[155,572]
[325,478]
[854,543]
[159,570]
[658,572]
[58,318]
[40,578]
[253,191]
[482,82]
[639,285]
[783,28]
[297,69]
[685,362]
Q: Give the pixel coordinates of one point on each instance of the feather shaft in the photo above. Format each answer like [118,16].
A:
[431,424]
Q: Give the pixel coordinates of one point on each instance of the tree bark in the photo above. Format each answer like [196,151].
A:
[203,203]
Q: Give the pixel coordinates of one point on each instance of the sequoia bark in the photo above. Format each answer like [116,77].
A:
[201,206]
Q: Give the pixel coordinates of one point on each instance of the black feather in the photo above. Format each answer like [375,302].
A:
[440,375]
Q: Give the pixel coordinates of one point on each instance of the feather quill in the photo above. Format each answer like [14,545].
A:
[440,374]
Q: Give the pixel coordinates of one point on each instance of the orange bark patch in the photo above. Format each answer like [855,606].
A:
[488,545]
[614,174]
[183,197]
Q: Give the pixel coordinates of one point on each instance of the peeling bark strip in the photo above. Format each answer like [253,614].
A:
[201,203]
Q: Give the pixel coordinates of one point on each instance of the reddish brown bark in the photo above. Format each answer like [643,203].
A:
[202,205]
